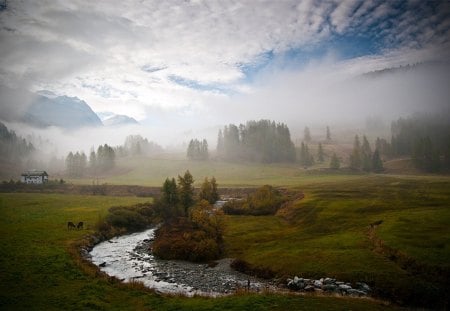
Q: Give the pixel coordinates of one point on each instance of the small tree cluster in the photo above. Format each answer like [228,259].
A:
[198,150]
[176,199]
[76,164]
[190,230]
[258,141]
[105,159]
[362,157]
[136,145]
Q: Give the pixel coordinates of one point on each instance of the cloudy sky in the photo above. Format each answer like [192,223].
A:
[182,60]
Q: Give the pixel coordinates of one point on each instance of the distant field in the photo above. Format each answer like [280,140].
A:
[37,272]
[153,171]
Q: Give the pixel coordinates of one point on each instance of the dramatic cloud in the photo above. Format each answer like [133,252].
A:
[186,58]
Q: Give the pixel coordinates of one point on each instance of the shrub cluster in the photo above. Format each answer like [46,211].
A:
[264,201]
[123,219]
[194,238]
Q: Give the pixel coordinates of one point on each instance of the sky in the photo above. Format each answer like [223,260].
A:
[217,62]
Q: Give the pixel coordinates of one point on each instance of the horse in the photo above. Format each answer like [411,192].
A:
[80,225]
[70,225]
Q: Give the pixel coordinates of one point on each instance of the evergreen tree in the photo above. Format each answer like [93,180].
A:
[307,135]
[328,134]
[186,191]
[204,150]
[335,163]
[306,159]
[320,155]
[169,193]
[220,145]
[208,191]
[377,164]
[355,157]
[70,164]
[93,161]
[366,155]
[214,190]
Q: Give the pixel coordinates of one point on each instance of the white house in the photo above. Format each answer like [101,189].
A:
[34,177]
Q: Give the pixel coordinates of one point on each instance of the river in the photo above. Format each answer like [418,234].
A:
[129,258]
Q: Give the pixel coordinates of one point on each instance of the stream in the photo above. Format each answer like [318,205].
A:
[129,258]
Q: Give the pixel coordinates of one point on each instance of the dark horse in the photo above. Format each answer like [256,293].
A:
[70,225]
[80,225]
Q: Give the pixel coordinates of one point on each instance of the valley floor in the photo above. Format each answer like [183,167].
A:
[325,234]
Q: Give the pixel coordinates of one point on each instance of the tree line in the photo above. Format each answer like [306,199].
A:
[425,138]
[101,161]
[12,146]
[136,145]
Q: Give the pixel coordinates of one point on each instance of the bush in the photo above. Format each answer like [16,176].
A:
[127,218]
[264,201]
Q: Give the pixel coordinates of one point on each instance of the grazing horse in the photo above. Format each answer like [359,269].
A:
[70,225]
[80,225]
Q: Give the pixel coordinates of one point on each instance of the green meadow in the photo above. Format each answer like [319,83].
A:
[326,234]
[38,272]
[153,171]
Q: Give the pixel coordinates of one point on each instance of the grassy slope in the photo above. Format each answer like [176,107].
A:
[37,273]
[325,234]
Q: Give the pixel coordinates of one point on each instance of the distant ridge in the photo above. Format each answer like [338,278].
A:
[118,120]
[61,111]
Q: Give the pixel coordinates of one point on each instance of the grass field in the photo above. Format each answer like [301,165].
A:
[38,273]
[153,171]
[326,233]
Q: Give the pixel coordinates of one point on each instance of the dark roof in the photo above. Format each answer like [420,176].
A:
[35,173]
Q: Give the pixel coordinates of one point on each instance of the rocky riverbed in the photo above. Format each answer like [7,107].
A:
[128,258]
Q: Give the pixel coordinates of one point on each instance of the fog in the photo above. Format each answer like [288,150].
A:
[316,96]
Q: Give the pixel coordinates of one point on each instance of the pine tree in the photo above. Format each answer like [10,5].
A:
[335,163]
[328,134]
[220,146]
[377,164]
[307,135]
[205,191]
[214,191]
[93,161]
[366,155]
[186,190]
[70,164]
[355,157]
[169,193]
[320,155]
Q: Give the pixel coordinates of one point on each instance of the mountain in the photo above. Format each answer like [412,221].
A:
[118,120]
[47,109]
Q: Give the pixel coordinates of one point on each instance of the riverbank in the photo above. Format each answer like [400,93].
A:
[128,258]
